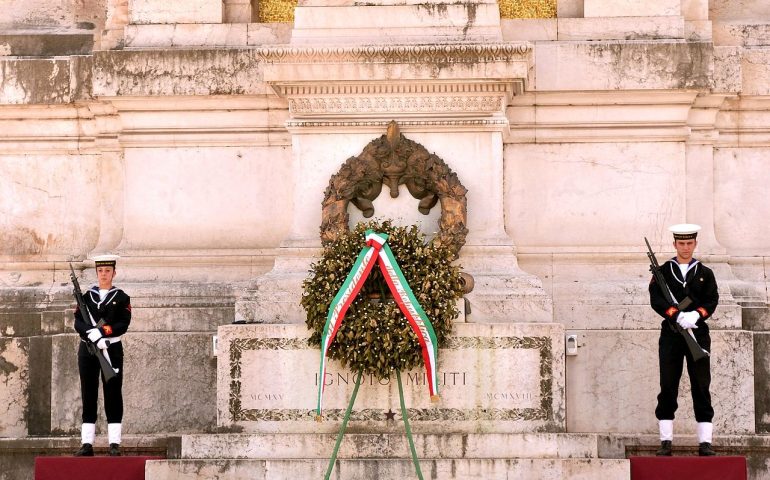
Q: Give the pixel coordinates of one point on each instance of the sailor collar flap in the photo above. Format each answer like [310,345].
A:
[692,268]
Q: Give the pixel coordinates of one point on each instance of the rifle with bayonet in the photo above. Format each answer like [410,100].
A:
[696,350]
[104,360]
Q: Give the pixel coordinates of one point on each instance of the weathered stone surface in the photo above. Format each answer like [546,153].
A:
[621,65]
[698,30]
[543,469]
[220,216]
[188,11]
[755,69]
[621,28]
[31,81]
[742,34]
[738,9]
[529,29]
[391,445]
[267,382]
[569,9]
[728,75]
[735,190]
[396,24]
[34,44]
[642,174]
[695,9]
[19,324]
[762,381]
[631,8]
[14,376]
[186,35]
[169,384]
[177,72]
[38,13]
[46,196]
[612,384]
[268,33]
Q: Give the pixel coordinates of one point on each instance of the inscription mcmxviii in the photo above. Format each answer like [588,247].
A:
[519,386]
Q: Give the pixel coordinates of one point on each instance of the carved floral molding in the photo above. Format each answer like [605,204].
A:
[416,54]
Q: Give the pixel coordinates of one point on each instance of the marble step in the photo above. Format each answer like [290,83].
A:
[390,469]
[390,446]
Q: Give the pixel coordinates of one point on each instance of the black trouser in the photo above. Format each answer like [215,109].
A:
[672,350]
[90,372]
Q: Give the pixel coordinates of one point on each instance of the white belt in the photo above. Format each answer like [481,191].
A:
[111,339]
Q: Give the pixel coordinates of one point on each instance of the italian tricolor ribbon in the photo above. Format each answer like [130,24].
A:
[377,249]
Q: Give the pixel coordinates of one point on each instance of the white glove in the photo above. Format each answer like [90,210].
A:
[103,343]
[94,334]
[687,319]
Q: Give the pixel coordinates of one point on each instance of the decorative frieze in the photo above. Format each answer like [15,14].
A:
[383,105]
[416,54]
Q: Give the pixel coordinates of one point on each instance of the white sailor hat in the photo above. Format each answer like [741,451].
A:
[684,231]
[105,260]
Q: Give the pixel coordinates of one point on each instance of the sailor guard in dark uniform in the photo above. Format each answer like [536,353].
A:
[110,304]
[685,276]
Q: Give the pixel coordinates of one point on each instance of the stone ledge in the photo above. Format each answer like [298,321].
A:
[445,469]
[169,446]
[621,28]
[390,445]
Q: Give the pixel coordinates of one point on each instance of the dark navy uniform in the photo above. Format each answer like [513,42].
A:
[701,286]
[115,310]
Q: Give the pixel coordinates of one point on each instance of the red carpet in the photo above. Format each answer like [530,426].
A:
[679,468]
[90,468]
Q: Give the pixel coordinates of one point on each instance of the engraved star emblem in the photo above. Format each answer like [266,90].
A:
[390,415]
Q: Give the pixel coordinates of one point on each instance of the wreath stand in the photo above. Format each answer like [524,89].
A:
[344,425]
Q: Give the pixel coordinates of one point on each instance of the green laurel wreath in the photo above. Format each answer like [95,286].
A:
[375,337]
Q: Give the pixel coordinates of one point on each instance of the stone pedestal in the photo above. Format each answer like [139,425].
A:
[267,381]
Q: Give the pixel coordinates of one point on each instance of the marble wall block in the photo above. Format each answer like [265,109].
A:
[529,29]
[169,384]
[613,382]
[268,378]
[186,34]
[50,203]
[569,8]
[206,198]
[762,380]
[558,195]
[755,68]
[187,11]
[38,13]
[744,33]
[35,80]
[617,65]
[695,9]
[14,376]
[741,178]
[631,8]
[177,72]
[620,28]
[738,9]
